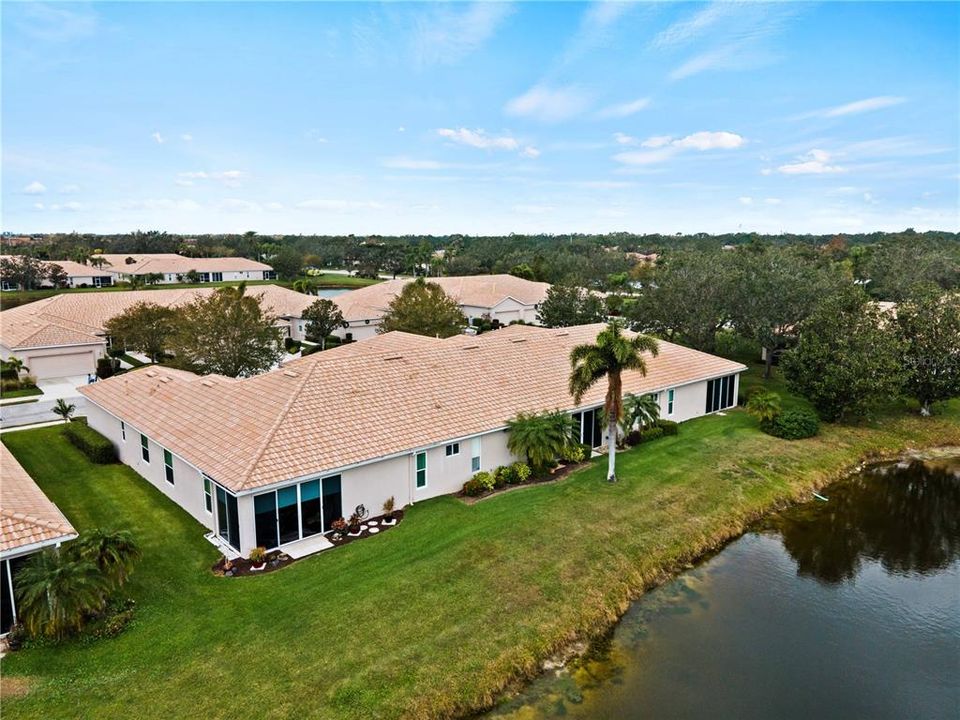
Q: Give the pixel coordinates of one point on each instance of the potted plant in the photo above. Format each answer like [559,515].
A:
[353,525]
[388,510]
[258,558]
[339,527]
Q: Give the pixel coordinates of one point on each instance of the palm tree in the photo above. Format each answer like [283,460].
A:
[55,593]
[15,363]
[64,409]
[540,437]
[612,353]
[112,552]
[305,286]
[764,405]
[642,410]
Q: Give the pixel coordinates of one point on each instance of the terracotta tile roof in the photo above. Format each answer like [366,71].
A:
[78,318]
[27,517]
[390,394]
[174,263]
[71,268]
[483,291]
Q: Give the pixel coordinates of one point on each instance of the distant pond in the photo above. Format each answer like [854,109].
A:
[848,608]
[331,292]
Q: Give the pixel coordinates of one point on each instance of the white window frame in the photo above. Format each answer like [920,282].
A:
[416,471]
[123,430]
[145,448]
[671,396]
[453,449]
[207,494]
[476,456]
[172,479]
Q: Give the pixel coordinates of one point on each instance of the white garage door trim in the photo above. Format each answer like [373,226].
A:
[44,367]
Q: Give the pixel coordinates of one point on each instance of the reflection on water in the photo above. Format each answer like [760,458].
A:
[842,609]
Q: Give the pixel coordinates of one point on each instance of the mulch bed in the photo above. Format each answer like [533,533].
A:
[557,474]
[277,559]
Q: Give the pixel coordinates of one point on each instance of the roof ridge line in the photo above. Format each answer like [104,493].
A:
[276,425]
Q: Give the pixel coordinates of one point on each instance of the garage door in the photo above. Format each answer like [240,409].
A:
[54,366]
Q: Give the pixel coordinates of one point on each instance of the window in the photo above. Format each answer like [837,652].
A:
[207,494]
[228,518]
[144,448]
[720,393]
[670,402]
[421,470]
[218,277]
[475,455]
[123,430]
[296,511]
[453,449]
[168,465]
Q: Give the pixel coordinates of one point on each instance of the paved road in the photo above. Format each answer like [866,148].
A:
[37,412]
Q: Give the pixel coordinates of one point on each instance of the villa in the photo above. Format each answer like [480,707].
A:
[29,522]
[273,460]
[173,268]
[63,336]
[501,298]
[78,275]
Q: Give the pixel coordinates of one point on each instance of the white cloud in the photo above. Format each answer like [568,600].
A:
[186,137]
[624,139]
[53,22]
[238,205]
[860,106]
[161,204]
[685,31]
[549,104]
[71,206]
[623,110]
[158,138]
[183,182]
[663,147]
[479,139]
[746,200]
[815,162]
[230,178]
[69,189]
[35,188]
[772,201]
[445,34]
[530,152]
[38,206]
[60,207]
[274,206]
[401,129]
[339,205]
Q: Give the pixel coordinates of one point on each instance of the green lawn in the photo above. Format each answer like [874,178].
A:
[432,618]
[14,298]
[22,392]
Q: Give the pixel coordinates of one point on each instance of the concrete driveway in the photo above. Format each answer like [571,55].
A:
[27,413]
[65,387]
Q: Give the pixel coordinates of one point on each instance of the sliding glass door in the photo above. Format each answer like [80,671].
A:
[332,501]
[288,514]
[228,519]
[591,433]
[720,393]
[265,519]
[297,511]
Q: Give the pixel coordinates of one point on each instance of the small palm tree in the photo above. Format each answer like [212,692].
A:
[63,409]
[55,593]
[611,354]
[15,363]
[540,437]
[113,552]
[305,286]
[764,405]
[641,410]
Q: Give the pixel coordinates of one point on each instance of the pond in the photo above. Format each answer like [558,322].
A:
[330,292]
[848,608]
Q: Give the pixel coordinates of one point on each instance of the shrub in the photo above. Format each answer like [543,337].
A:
[91,443]
[508,475]
[651,433]
[258,555]
[669,427]
[291,345]
[633,438]
[116,352]
[105,368]
[521,471]
[480,483]
[309,350]
[575,453]
[792,425]
[388,507]
[500,476]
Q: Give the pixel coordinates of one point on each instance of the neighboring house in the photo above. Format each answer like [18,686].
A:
[29,522]
[173,267]
[78,275]
[273,460]
[63,336]
[504,298]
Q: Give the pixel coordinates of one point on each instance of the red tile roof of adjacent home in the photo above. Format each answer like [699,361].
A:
[389,395]
[484,291]
[27,517]
[174,263]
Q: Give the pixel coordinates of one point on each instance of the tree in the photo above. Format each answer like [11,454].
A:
[113,552]
[287,262]
[323,317]
[63,409]
[16,364]
[98,261]
[145,326]
[776,289]
[764,405]
[192,277]
[847,359]
[928,324]
[23,271]
[611,354]
[540,437]
[305,286]
[566,306]
[56,275]
[226,333]
[639,410]
[689,298]
[55,593]
[423,308]
[522,270]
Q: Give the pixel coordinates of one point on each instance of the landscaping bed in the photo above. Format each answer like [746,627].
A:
[244,566]
[557,473]
[368,528]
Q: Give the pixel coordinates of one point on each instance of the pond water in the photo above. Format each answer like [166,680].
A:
[331,292]
[848,608]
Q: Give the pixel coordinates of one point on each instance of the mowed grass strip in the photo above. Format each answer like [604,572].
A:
[434,618]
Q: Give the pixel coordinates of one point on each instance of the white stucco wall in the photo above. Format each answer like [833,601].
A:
[78,359]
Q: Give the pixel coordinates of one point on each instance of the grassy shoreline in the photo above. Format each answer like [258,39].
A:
[437,618]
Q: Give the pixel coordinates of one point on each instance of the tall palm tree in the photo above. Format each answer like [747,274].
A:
[611,354]
[56,592]
[540,437]
[113,552]
[64,409]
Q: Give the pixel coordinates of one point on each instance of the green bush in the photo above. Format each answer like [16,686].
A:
[291,345]
[91,443]
[669,427]
[116,352]
[633,438]
[575,453]
[309,350]
[521,471]
[792,425]
[479,484]
[499,476]
[651,433]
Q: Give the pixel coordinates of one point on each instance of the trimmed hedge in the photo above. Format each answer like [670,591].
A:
[669,427]
[792,425]
[91,443]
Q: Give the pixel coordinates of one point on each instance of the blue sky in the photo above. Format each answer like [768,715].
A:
[480,118]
